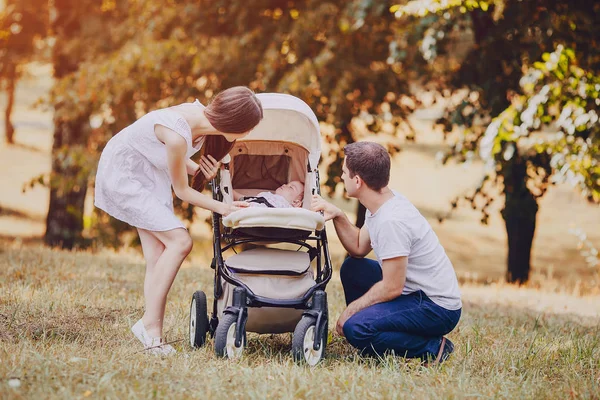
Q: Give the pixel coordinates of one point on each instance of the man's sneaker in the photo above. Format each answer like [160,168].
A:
[446,348]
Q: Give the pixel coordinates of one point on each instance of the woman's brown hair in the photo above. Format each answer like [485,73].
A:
[234,110]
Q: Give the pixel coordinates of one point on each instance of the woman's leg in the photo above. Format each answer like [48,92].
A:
[164,253]
[152,249]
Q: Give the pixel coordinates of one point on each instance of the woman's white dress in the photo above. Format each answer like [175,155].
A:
[133,182]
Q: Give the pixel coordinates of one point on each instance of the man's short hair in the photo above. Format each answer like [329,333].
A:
[370,161]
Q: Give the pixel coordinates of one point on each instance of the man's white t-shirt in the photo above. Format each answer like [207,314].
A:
[398,229]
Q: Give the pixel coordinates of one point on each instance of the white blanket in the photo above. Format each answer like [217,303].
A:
[290,218]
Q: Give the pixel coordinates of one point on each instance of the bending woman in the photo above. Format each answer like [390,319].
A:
[137,169]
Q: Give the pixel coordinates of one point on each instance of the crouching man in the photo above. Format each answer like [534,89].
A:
[408,299]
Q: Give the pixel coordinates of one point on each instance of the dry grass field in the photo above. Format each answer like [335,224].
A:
[65,319]
[65,316]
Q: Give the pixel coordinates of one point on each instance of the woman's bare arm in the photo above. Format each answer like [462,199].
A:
[176,153]
[191,167]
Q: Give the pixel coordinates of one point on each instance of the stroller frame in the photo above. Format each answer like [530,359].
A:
[293,128]
[243,297]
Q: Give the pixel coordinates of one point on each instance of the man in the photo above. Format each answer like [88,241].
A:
[408,299]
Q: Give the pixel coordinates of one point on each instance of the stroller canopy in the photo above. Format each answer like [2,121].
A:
[288,119]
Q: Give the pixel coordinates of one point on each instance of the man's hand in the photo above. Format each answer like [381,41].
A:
[209,166]
[329,210]
[348,312]
[389,288]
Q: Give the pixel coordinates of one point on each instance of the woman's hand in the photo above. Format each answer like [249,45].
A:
[209,166]
[236,205]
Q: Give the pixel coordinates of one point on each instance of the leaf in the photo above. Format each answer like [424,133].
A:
[570,53]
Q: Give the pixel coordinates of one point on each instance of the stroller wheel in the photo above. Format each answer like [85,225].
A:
[304,339]
[225,338]
[198,320]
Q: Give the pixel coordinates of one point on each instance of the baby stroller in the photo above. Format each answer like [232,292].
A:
[279,285]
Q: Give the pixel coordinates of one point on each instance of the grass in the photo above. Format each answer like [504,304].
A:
[64,333]
[65,317]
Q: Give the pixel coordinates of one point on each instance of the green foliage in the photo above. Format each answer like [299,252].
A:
[82,30]
[187,52]
[23,25]
[522,78]
[349,60]
[557,115]
[535,129]
[422,8]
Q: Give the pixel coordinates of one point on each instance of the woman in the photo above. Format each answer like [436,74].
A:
[137,169]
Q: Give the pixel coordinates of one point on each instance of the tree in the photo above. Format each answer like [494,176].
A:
[82,30]
[512,97]
[559,93]
[23,23]
[335,55]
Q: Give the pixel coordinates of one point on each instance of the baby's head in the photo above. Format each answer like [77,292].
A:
[293,192]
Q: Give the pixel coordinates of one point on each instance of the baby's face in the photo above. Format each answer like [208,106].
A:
[291,191]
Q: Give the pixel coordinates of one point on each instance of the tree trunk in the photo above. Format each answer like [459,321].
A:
[68,180]
[68,186]
[64,223]
[520,230]
[482,23]
[11,81]
[519,215]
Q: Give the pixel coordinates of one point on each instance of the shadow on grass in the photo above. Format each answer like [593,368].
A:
[61,327]
[26,240]
[28,147]
[11,212]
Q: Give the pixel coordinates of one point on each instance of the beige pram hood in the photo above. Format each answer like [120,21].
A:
[288,119]
[289,127]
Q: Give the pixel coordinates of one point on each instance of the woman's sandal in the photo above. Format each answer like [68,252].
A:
[154,345]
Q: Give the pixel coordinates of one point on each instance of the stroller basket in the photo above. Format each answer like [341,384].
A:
[273,274]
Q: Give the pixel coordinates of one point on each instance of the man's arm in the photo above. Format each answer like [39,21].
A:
[390,287]
[356,241]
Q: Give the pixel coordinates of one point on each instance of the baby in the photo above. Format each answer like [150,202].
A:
[286,196]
